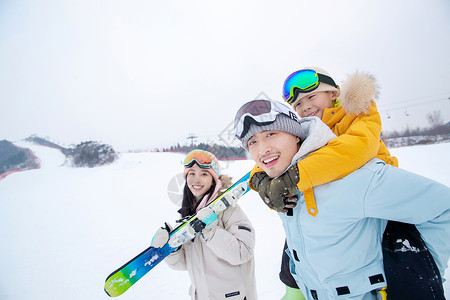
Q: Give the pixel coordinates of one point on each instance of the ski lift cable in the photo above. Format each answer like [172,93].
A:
[411,105]
[421,99]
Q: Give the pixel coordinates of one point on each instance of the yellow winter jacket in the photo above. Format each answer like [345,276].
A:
[357,124]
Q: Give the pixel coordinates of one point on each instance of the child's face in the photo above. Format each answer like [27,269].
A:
[273,150]
[314,104]
[199,181]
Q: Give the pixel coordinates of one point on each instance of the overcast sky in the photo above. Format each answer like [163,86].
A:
[145,74]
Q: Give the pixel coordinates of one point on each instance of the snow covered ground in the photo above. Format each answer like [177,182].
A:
[64,230]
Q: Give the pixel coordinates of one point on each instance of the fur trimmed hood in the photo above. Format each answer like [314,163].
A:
[222,185]
[314,135]
[357,93]
[226,182]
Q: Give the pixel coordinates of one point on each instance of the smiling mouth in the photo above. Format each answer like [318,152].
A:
[197,187]
[270,159]
[312,114]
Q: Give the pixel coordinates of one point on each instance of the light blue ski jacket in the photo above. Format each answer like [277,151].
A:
[338,254]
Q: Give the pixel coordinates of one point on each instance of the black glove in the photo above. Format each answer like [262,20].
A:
[278,193]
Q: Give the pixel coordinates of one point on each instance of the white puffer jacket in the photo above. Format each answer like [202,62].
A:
[221,262]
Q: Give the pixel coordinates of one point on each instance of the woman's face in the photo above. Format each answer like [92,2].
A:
[199,181]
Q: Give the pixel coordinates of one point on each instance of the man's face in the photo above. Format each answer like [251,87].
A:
[273,150]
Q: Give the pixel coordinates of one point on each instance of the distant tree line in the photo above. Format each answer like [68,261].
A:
[91,154]
[436,132]
[86,154]
[44,142]
[220,151]
[437,127]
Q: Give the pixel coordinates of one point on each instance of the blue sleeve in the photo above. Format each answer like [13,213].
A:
[399,195]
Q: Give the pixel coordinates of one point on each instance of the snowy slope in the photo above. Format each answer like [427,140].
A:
[64,230]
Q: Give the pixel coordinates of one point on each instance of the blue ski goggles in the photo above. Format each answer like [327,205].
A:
[304,81]
[259,112]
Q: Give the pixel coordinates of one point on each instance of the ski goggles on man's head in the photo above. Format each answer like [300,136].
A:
[202,158]
[259,112]
[304,81]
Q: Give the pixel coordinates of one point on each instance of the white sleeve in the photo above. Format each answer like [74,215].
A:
[235,241]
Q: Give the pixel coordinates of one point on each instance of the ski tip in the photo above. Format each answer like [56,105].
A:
[107,292]
[114,293]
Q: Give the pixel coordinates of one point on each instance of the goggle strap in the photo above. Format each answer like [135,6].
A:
[195,162]
[249,120]
[327,79]
[212,165]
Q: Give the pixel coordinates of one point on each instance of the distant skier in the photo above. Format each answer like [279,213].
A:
[220,261]
[336,249]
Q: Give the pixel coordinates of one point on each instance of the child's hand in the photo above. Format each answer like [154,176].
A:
[277,193]
[261,182]
[290,201]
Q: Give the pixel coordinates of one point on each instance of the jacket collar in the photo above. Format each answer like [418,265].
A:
[315,134]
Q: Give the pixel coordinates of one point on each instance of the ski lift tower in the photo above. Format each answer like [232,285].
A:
[192,136]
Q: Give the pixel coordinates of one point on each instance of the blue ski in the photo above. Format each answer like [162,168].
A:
[123,278]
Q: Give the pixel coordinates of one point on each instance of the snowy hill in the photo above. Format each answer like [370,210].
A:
[64,230]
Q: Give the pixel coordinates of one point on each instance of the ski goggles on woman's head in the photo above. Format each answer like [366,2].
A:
[259,112]
[304,81]
[202,158]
